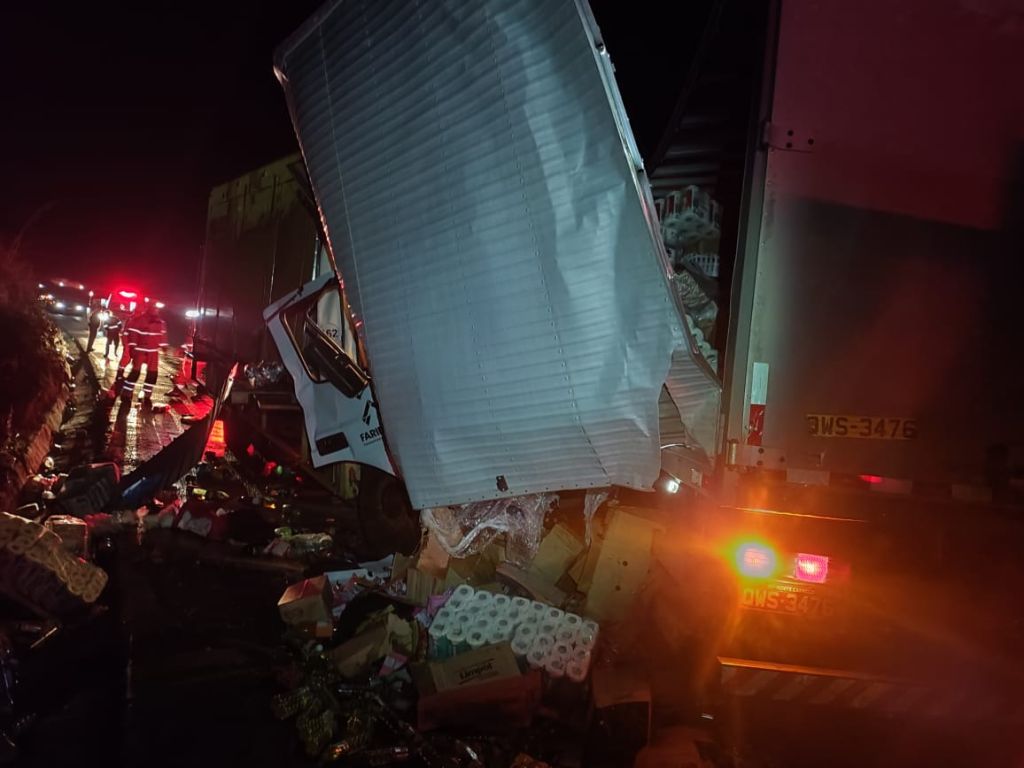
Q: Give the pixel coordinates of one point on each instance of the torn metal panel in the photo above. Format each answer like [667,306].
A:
[485,203]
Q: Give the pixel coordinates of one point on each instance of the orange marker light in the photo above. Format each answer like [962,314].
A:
[756,561]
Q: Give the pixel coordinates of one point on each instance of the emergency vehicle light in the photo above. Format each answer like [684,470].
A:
[127,294]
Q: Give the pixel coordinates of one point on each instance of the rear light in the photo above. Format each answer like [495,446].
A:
[756,561]
[811,568]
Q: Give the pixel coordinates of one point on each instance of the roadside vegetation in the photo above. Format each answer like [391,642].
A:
[33,368]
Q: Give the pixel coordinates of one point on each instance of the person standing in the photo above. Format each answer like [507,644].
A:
[112,330]
[95,318]
[129,341]
[149,336]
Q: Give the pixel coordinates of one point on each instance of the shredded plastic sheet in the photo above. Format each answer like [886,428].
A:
[465,529]
[593,501]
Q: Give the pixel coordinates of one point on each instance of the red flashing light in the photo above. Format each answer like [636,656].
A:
[811,568]
[127,294]
[872,479]
[250,450]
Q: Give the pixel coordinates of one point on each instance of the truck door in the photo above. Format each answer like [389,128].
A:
[338,405]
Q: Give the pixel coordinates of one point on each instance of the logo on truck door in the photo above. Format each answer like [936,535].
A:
[862,427]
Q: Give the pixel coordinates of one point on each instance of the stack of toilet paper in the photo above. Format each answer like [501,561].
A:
[544,637]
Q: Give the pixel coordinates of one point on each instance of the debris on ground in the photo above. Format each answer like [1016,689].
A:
[524,661]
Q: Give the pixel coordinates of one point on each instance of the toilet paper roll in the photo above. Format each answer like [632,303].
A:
[439,645]
[537,658]
[455,605]
[571,621]
[562,650]
[492,614]
[482,599]
[539,609]
[521,604]
[554,615]
[566,636]
[456,635]
[462,593]
[588,632]
[526,632]
[576,672]
[555,667]
[544,644]
[502,602]
[498,635]
[548,629]
[520,647]
[476,638]
[503,627]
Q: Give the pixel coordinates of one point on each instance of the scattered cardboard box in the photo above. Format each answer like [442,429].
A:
[474,667]
[621,565]
[306,602]
[536,587]
[482,688]
[387,633]
[558,550]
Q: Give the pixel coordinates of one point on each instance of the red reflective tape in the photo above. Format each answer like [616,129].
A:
[733,676]
[832,693]
[755,425]
[757,683]
[871,694]
[794,688]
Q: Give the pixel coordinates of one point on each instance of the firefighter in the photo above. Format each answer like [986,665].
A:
[112,330]
[128,341]
[95,319]
[147,336]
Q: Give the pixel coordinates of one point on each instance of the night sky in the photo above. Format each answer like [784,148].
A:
[118,119]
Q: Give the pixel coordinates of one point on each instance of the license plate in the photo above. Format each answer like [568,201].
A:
[784,599]
[862,427]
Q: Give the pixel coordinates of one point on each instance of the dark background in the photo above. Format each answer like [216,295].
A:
[118,118]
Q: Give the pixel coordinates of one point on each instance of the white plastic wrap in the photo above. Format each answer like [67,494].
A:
[594,499]
[466,529]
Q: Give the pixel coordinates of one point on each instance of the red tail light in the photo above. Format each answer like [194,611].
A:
[811,568]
